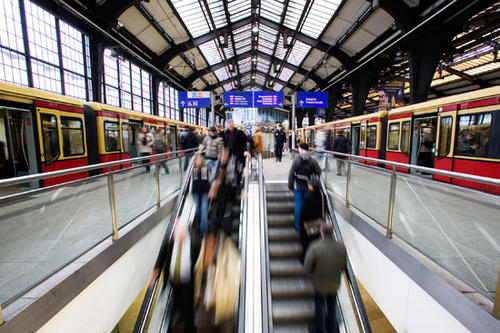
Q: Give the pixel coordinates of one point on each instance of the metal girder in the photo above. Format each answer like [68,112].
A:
[111,10]
[335,52]
[171,53]
[400,12]
[467,77]
[239,76]
[190,79]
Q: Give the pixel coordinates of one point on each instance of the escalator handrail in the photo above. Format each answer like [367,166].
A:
[267,322]
[358,301]
[242,248]
[146,306]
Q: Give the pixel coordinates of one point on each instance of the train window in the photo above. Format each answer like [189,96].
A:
[72,135]
[445,129]
[50,138]
[405,137]
[371,136]
[111,136]
[473,135]
[362,141]
[393,140]
[125,138]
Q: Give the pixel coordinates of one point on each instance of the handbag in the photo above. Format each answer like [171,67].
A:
[313,227]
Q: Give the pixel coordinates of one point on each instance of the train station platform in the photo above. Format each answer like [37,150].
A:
[431,271]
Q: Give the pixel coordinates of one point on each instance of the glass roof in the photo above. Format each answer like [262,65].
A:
[193,16]
[285,74]
[272,9]
[320,14]
[211,52]
[294,12]
[299,52]
[222,73]
[239,9]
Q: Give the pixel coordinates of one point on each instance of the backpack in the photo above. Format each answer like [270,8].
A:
[304,169]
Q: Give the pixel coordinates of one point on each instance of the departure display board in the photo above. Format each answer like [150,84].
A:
[237,99]
[267,99]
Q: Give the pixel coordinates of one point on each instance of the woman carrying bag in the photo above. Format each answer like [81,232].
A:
[311,215]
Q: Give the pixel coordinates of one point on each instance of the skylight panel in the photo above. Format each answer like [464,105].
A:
[320,14]
[246,79]
[239,9]
[217,10]
[262,65]
[271,9]
[228,86]
[210,52]
[285,74]
[244,49]
[222,73]
[260,79]
[192,15]
[294,12]
[278,86]
[280,50]
[245,65]
[298,53]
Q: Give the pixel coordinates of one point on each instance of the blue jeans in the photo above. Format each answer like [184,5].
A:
[325,305]
[299,196]
[210,164]
[201,203]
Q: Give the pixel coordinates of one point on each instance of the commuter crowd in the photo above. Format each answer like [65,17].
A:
[203,262]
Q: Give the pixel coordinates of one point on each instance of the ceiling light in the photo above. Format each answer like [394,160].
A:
[254,59]
[255,29]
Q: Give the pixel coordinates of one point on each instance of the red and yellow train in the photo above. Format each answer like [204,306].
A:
[458,133]
[42,131]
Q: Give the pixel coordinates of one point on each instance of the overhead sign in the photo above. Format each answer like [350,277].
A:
[237,99]
[267,99]
[194,99]
[315,99]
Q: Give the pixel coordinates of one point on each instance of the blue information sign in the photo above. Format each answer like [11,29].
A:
[267,99]
[238,99]
[313,99]
[194,99]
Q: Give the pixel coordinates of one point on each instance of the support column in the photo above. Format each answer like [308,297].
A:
[154,93]
[424,56]
[334,95]
[360,87]
[97,68]
[212,109]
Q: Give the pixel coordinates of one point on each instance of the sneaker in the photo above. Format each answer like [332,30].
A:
[339,174]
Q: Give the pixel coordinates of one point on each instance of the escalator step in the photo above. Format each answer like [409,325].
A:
[291,287]
[293,310]
[278,196]
[275,220]
[285,250]
[286,267]
[276,234]
[280,207]
[292,328]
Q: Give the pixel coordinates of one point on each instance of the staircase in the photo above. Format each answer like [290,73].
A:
[292,291]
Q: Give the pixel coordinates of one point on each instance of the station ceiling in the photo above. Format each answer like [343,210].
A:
[281,44]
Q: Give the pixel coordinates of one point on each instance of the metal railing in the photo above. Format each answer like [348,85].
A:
[242,247]
[350,160]
[266,296]
[147,303]
[109,176]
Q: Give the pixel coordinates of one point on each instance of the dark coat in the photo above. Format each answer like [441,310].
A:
[341,145]
[279,138]
[312,208]
[190,141]
[302,165]
[236,141]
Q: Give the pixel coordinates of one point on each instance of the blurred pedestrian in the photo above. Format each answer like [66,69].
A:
[160,146]
[211,147]
[311,212]
[325,260]
[304,167]
[144,141]
[190,141]
[235,141]
[340,145]
[279,141]
[258,142]
[201,176]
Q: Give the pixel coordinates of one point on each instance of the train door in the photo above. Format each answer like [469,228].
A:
[424,141]
[17,144]
[171,138]
[134,127]
[444,144]
[355,134]
[125,141]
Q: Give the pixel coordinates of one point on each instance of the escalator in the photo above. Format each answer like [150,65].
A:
[289,302]
[157,306]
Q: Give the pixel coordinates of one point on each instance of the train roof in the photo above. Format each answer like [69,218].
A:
[27,95]
[449,100]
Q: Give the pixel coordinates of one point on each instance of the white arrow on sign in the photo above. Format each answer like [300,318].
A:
[182,103]
[301,103]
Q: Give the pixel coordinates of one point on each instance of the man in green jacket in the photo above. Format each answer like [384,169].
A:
[325,259]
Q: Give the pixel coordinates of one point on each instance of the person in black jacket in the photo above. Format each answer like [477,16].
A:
[189,141]
[303,168]
[279,141]
[312,209]
[341,145]
[235,141]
